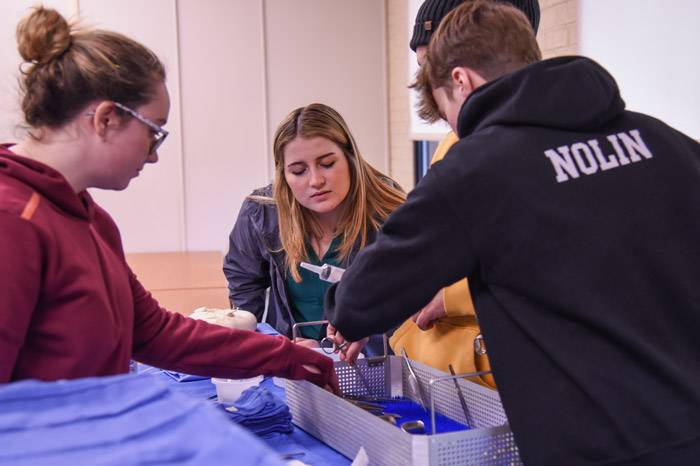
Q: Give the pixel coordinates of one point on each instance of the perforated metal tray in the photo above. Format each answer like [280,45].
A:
[346,427]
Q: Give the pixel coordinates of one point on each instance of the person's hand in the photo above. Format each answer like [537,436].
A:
[434,310]
[333,386]
[307,342]
[349,350]
[313,366]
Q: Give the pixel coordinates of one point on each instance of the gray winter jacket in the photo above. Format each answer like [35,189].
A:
[255,261]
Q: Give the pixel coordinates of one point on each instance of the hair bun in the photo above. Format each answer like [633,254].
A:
[43,35]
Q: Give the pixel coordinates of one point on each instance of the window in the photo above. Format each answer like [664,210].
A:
[422,153]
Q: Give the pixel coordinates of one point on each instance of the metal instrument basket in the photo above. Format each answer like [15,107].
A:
[346,427]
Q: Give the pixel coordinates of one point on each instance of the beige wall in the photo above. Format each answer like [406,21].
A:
[235,68]
[401,145]
[224,119]
[558,32]
[332,52]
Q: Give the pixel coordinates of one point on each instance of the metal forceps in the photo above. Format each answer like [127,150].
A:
[329,346]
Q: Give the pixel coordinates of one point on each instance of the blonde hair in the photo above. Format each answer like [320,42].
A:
[370,200]
[65,68]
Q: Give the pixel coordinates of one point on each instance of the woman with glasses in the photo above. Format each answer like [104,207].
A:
[327,203]
[95,102]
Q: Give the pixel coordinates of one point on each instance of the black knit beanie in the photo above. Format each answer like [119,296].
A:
[431,13]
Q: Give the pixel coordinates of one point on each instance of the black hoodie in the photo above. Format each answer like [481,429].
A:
[577,224]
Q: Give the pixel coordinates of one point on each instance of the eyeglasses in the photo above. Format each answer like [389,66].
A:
[159,134]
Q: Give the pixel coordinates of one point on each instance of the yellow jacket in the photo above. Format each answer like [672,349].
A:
[451,339]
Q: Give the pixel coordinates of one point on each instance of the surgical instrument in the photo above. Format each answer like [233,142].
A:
[413,380]
[467,416]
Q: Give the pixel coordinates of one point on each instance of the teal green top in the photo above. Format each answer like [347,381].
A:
[306,297]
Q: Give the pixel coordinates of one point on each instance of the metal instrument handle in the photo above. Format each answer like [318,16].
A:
[418,387]
[433,382]
[467,415]
[295,327]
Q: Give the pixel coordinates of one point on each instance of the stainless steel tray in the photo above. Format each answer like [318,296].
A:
[346,427]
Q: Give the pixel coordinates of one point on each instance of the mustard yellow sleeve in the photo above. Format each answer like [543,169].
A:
[458,300]
[448,141]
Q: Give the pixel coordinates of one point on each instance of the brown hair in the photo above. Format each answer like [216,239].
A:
[491,38]
[67,68]
[372,196]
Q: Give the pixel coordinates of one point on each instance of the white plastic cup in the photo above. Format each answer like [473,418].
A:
[279,381]
[230,390]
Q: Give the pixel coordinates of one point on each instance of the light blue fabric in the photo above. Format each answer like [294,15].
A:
[181,377]
[120,420]
[260,412]
[266,329]
[193,385]
[315,452]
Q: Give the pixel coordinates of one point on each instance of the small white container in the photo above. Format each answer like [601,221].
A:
[230,390]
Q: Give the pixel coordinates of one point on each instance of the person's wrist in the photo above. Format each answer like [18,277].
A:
[305,357]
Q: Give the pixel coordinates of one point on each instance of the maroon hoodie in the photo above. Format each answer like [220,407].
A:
[71,307]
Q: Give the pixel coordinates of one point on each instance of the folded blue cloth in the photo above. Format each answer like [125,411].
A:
[266,329]
[181,377]
[194,385]
[260,411]
[118,420]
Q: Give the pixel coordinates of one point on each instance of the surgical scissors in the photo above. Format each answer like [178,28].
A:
[329,346]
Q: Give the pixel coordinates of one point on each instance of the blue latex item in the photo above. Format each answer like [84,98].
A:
[260,412]
[118,420]
[409,410]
